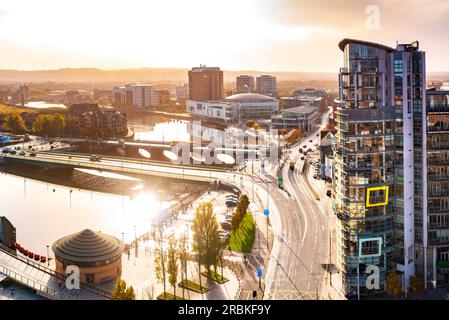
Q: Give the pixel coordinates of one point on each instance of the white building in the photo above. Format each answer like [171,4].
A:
[212,109]
[242,106]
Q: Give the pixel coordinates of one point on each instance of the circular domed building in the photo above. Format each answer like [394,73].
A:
[97,255]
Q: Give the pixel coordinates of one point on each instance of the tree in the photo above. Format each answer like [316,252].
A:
[14,123]
[122,292]
[205,236]
[393,283]
[172,264]
[160,263]
[183,255]
[51,125]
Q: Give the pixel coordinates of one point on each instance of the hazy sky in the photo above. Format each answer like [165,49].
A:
[272,35]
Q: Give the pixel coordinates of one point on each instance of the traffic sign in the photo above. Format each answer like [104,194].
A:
[266,212]
[259,273]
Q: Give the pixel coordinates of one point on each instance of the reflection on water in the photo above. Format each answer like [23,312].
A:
[106,174]
[43,105]
[163,130]
[43,212]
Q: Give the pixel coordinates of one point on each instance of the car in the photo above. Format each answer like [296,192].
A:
[13,152]
[33,154]
[302,158]
[95,158]
[22,153]
[226,225]
[329,193]
[310,150]
[315,176]
[310,141]
[317,134]
[5,151]
[228,217]
[304,146]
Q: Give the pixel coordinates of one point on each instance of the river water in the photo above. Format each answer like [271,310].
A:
[44,212]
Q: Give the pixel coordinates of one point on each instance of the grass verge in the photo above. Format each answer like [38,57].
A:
[216,276]
[169,296]
[242,239]
[191,285]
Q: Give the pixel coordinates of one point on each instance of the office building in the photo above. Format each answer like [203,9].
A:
[206,83]
[294,118]
[244,84]
[379,191]
[266,85]
[242,106]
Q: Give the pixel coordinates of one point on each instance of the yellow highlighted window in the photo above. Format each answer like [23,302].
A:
[377,196]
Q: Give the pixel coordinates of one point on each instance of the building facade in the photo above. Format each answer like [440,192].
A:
[206,83]
[90,120]
[244,84]
[238,107]
[182,92]
[97,255]
[298,117]
[266,85]
[433,234]
[139,96]
[379,191]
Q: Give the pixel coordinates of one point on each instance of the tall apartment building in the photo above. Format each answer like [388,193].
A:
[433,237]
[266,85]
[244,84]
[206,83]
[141,96]
[380,194]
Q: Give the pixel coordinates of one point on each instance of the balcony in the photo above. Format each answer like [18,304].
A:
[438,194]
[442,177]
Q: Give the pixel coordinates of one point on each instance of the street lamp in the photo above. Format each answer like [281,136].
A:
[48,255]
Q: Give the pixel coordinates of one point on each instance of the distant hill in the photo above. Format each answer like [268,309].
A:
[152,75]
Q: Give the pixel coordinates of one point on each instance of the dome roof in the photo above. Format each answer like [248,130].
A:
[249,97]
[87,246]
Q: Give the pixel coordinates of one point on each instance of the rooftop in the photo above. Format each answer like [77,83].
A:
[250,97]
[87,246]
[343,43]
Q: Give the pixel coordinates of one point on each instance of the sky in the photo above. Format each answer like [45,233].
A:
[269,35]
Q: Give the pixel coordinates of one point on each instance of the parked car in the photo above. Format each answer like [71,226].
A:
[302,158]
[32,154]
[228,217]
[226,225]
[22,153]
[310,141]
[329,193]
[13,152]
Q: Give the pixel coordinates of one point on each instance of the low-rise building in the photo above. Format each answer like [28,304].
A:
[299,117]
[242,106]
[91,120]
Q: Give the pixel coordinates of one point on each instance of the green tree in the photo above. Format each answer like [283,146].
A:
[172,264]
[122,292]
[205,236]
[160,263]
[14,123]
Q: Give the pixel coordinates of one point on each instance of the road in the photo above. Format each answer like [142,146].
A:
[300,252]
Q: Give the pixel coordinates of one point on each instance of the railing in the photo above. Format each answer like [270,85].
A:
[123,168]
[51,272]
[49,292]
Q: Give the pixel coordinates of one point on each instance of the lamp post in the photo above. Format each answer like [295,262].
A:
[48,255]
